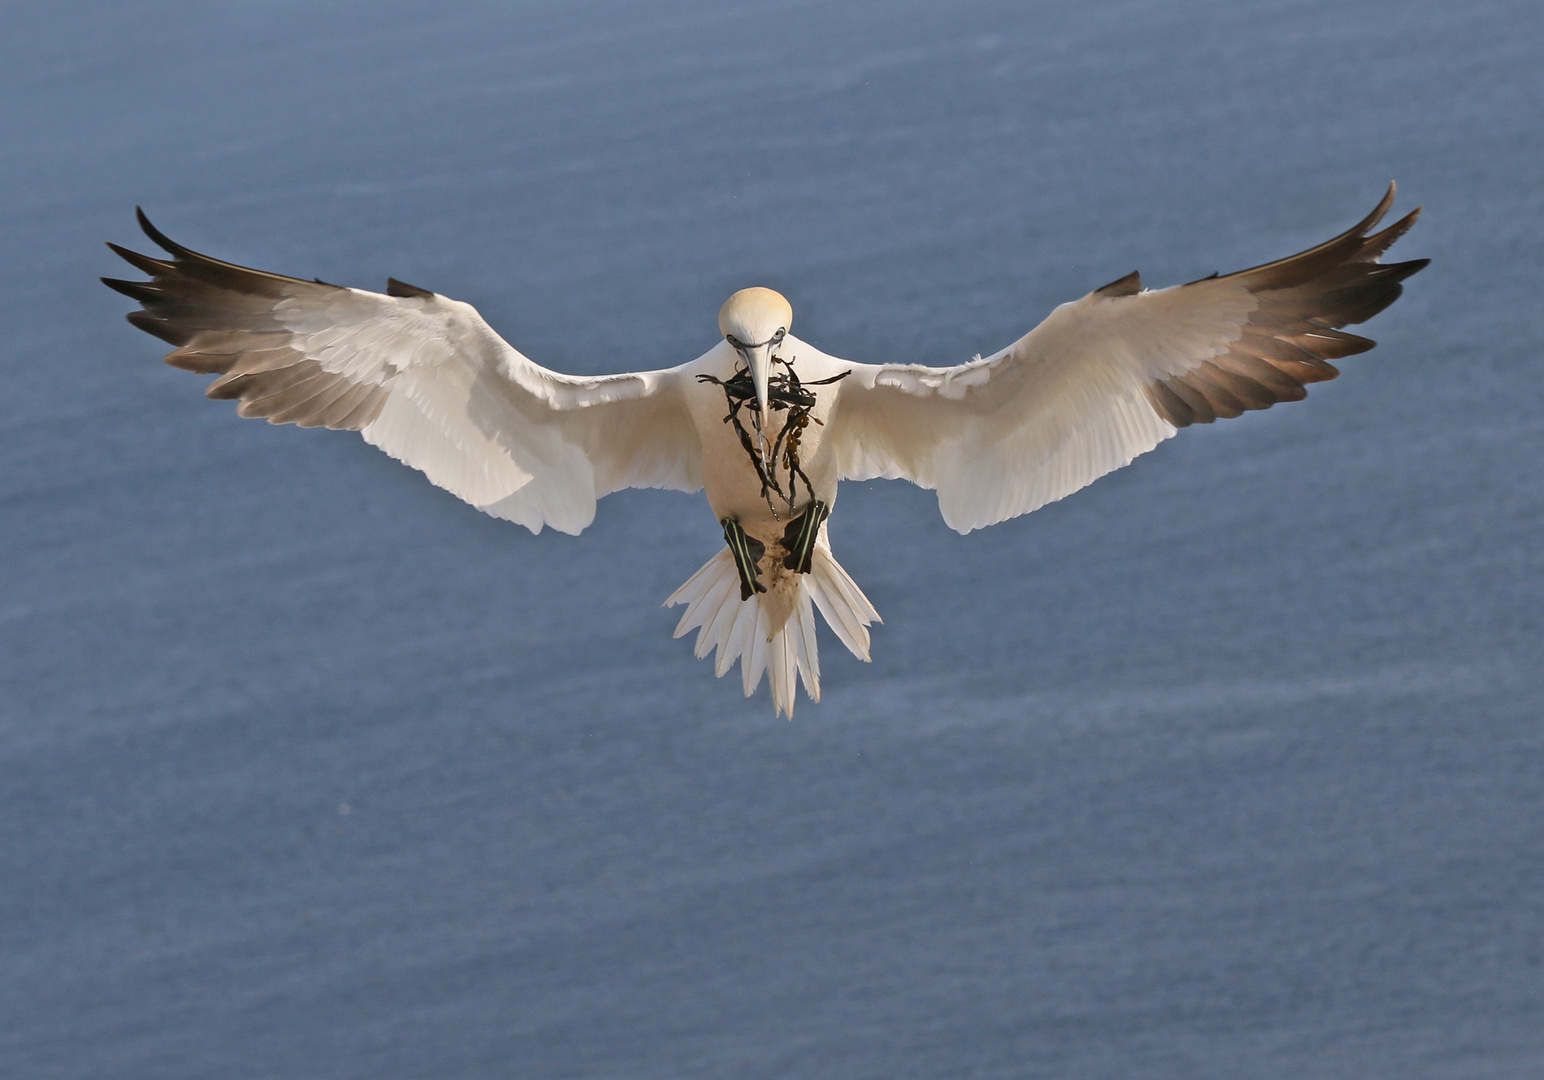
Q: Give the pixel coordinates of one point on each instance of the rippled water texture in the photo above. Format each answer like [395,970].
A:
[1226,767]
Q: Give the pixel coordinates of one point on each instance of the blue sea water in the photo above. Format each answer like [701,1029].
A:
[1229,766]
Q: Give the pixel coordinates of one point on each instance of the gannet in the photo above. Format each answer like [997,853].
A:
[767,425]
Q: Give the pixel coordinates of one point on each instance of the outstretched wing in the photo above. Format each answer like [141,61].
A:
[424,378]
[1108,377]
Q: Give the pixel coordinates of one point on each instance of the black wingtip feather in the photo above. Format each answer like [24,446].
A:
[160,239]
[1129,285]
[143,263]
[1406,269]
[1357,304]
[1371,221]
[403,290]
[168,332]
[143,291]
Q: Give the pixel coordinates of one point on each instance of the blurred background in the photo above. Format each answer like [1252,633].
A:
[1227,766]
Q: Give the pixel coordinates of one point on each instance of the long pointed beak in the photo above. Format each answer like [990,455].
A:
[759,359]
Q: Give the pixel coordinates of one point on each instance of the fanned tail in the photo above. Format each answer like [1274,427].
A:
[774,632]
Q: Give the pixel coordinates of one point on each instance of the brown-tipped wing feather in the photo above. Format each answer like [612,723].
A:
[1303,300]
[1108,377]
[421,376]
[223,320]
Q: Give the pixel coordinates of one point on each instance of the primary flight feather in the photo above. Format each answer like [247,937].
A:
[767,425]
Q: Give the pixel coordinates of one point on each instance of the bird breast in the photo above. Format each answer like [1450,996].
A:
[729,475]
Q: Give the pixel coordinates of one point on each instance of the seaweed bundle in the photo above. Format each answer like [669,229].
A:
[785,394]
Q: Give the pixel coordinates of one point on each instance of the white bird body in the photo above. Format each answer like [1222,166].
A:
[764,423]
[728,477]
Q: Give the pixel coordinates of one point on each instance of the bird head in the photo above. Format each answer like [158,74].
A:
[754,322]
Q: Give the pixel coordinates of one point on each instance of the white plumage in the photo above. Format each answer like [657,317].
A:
[767,425]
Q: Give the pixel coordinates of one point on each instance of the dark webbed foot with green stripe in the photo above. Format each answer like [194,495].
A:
[799,537]
[747,552]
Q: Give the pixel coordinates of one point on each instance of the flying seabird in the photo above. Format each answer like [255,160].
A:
[764,423]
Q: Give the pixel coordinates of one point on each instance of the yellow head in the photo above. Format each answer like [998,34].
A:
[754,322]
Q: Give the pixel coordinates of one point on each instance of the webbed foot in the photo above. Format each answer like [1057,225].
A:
[747,552]
[799,537]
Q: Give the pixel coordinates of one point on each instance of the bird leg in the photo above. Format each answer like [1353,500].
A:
[747,552]
[799,537]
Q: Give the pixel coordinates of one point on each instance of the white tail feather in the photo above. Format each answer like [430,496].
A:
[744,629]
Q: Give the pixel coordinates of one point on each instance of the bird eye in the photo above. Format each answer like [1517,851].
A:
[734,341]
